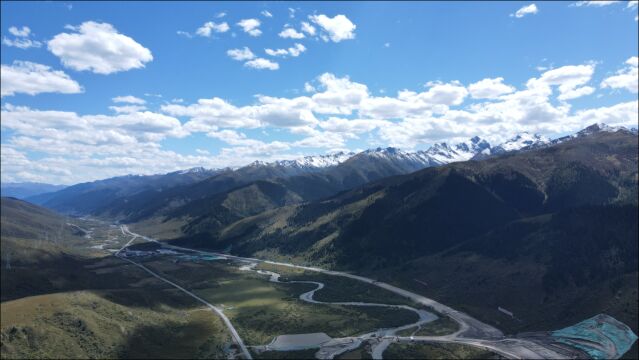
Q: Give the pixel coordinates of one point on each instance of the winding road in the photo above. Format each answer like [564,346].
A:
[471,331]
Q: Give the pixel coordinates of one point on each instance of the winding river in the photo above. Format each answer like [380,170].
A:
[332,348]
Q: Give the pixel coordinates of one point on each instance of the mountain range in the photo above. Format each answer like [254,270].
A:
[545,228]
[134,198]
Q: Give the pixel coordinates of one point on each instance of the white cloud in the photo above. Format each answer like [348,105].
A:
[220,15]
[241,54]
[632,4]
[127,108]
[98,138]
[293,51]
[290,33]
[597,3]
[308,87]
[338,28]
[338,95]
[129,99]
[21,43]
[210,27]
[308,28]
[570,81]
[98,47]
[528,9]
[261,63]
[452,93]
[489,88]
[22,32]
[626,78]
[22,40]
[31,78]
[278,52]
[184,33]
[250,26]
[266,13]
[209,114]
[352,126]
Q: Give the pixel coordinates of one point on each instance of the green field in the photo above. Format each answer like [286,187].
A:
[261,310]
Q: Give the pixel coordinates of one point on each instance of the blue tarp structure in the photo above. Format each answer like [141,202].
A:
[601,337]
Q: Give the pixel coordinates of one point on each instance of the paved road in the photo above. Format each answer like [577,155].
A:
[471,331]
[238,340]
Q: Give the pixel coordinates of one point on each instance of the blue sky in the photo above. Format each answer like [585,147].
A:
[405,74]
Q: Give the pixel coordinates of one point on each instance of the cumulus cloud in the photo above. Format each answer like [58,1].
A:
[528,9]
[129,99]
[21,40]
[626,78]
[489,88]
[308,28]
[30,78]
[81,146]
[570,81]
[293,51]
[290,33]
[308,87]
[25,31]
[100,48]
[241,54]
[261,63]
[250,26]
[210,27]
[337,28]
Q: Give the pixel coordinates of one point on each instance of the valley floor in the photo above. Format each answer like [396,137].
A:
[174,302]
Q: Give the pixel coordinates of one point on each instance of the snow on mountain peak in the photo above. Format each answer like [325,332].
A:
[598,127]
[315,161]
[520,141]
[193,170]
[442,153]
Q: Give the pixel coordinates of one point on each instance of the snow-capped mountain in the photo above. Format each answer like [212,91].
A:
[306,163]
[474,148]
[193,170]
[595,128]
[521,141]
[316,161]
[442,153]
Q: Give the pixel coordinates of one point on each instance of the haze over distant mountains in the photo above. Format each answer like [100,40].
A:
[134,197]
[27,189]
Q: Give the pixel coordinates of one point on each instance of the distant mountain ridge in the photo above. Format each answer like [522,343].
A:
[26,189]
[133,198]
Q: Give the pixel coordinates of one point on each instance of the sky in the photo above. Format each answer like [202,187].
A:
[92,90]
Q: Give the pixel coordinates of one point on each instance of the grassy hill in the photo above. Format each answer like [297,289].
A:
[61,300]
